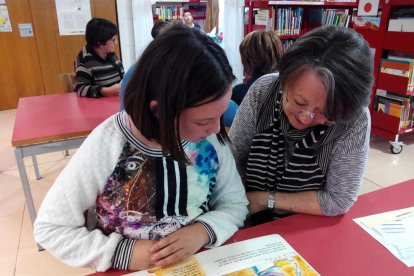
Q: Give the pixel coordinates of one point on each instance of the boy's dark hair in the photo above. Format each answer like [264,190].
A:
[99,31]
[344,62]
[260,52]
[158,27]
[180,69]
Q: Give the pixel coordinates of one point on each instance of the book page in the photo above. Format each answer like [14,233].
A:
[267,254]
[394,230]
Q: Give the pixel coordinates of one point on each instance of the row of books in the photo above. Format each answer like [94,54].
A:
[336,17]
[286,43]
[329,17]
[169,12]
[400,66]
[288,20]
[395,105]
[175,12]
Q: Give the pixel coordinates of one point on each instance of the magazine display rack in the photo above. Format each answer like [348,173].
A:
[382,40]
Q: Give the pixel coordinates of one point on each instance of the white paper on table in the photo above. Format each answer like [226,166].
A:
[394,230]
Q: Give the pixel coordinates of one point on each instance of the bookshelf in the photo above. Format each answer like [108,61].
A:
[302,14]
[384,42]
[173,10]
[381,41]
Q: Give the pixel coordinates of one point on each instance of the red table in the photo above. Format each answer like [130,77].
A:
[337,245]
[52,123]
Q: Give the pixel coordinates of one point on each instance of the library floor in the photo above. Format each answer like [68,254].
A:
[18,252]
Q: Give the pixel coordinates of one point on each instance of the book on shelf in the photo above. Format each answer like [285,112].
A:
[395,105]
[400,66]
[397,67]
[263,17]
[401,19]
[266,255]
[366,22]
[404,24]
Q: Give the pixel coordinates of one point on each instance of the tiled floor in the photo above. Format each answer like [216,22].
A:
[18,252]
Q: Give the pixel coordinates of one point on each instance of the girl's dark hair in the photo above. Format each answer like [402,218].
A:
[181,68]
[158,27]
[99,31]
[344,62]
[260,52]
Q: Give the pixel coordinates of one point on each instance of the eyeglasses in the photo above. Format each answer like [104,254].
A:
[304,115]
[114,39]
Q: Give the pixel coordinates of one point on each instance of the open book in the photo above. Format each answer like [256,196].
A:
[267,255]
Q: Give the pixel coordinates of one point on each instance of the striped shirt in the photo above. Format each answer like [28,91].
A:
[93,72]
[339,159]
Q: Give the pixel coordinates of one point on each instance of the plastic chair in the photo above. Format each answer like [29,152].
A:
[67,82]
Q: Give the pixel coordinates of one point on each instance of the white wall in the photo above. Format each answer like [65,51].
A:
[135,24]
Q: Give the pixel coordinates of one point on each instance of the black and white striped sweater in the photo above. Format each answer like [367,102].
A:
[341,157]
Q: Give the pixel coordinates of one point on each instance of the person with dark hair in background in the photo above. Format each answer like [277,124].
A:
[158,27]
[189,21]
[301,138]
[98,69]
[159,175]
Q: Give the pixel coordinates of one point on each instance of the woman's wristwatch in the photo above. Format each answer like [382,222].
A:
[271,200]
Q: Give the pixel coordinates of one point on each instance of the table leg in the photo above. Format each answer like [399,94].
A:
[26,187]
[36,167]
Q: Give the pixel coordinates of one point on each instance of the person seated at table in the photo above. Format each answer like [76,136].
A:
[159,175]
[301,137]
[98,69]
[189,21]
[260,52]
[158,27]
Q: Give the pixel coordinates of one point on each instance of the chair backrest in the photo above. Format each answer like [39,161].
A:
[67,82]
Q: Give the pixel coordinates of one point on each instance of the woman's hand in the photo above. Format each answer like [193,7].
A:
[141,255]
[257,201]
[179,245]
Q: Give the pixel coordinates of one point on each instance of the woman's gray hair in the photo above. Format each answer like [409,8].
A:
[344,62]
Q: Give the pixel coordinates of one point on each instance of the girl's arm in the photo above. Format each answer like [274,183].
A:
[60,225]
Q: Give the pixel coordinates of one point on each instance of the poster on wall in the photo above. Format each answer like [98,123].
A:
[5,25]
[72,16]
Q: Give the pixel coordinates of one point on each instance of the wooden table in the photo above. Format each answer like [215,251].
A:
[337,245]
[53,123]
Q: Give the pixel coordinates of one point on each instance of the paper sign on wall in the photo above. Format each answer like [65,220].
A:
[73,15]
[368,7]
[5,25]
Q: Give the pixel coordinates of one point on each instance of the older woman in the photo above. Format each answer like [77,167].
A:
[301,137]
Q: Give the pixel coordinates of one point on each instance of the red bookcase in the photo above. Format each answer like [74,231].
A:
[383,41]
